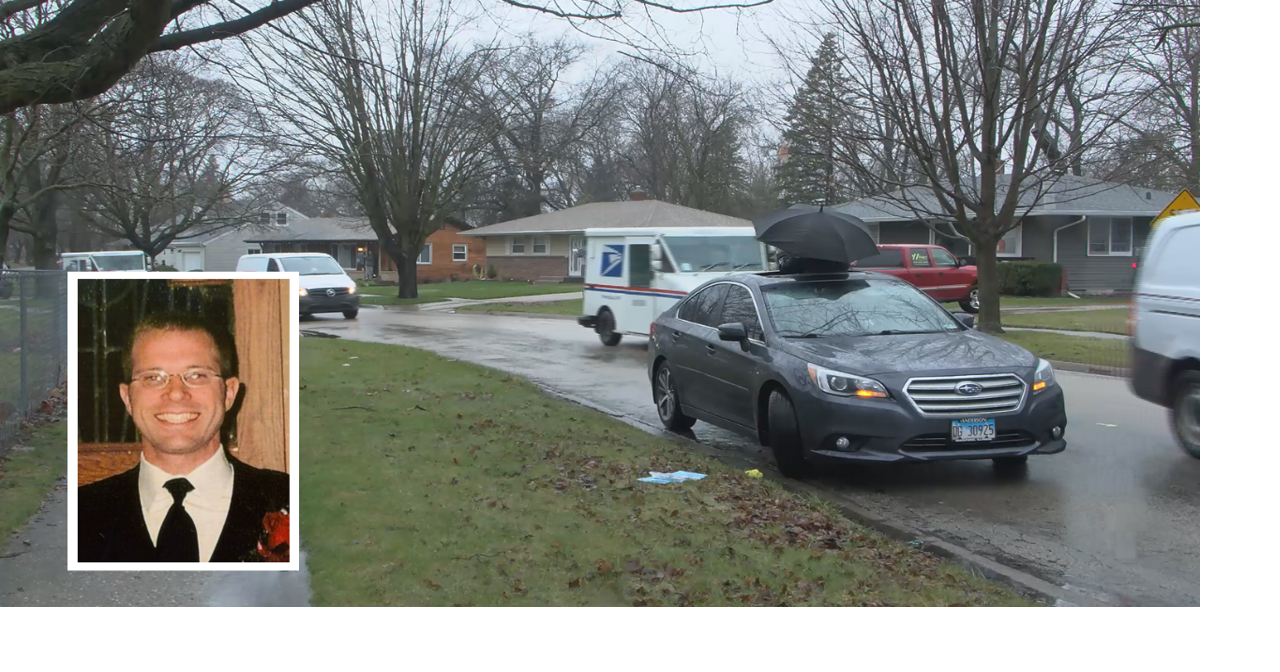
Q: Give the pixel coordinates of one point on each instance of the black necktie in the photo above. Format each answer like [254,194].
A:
[177,540]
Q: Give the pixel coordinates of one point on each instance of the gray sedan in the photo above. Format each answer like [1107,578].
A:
[849,367]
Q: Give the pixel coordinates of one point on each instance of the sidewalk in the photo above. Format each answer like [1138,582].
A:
[33,573]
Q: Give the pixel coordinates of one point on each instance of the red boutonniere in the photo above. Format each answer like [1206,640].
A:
[274,544]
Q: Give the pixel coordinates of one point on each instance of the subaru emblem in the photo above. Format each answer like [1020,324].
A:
[330,292]
[968,388]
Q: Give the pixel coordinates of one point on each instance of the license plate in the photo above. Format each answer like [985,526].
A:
[973,429]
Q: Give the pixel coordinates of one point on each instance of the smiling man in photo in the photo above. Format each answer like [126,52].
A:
[188,500]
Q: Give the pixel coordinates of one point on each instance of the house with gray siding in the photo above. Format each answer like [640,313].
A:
[1096,230]
[220,250]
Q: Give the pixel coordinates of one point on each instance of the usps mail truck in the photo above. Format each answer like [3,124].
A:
[633,275]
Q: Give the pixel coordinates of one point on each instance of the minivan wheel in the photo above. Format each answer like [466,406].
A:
[784,436]
[350,314]
[970,305]
[668,401]
[1185,415]
[605,325]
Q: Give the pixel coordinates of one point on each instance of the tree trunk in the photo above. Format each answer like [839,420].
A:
[45,253]
[408,270]
[988,286]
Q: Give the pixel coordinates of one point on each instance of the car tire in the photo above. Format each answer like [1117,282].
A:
[1009,463]
[605,325]
[1185,413]
[350,314]
[668,400]
[970,305]
[784,436]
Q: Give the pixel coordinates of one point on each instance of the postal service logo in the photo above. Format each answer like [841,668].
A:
[611,261]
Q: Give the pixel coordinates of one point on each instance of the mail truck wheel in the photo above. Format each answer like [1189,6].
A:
[605,325]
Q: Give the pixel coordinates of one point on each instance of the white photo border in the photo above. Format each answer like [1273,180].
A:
[73,467]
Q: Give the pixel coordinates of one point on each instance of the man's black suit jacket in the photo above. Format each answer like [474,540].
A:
[112,528]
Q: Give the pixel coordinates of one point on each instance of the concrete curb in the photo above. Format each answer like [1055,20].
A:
[502,313]
[1021,582]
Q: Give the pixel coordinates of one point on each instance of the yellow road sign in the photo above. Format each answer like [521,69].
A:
[1183,202]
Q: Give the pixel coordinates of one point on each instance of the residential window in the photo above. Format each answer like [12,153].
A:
[517,246]
[255,252]
[1110,236]
[425,257]
[541,245]
[1010,245]
[265,219]
[282,218]
[459,252]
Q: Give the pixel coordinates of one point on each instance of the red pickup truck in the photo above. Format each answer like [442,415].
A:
[932,268]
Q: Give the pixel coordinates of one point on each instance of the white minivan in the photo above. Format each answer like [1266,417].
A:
[323,287]
[1165,326]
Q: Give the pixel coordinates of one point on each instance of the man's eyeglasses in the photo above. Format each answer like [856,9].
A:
[156,380]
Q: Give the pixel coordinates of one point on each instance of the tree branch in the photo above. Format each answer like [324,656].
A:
[220,31]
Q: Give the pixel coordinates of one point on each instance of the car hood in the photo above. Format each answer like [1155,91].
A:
[910,353]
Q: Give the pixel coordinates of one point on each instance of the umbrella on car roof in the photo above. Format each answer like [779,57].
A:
[815,233]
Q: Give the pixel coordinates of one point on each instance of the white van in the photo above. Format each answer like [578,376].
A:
[1164,324]
[633,275]
[127,260]
[323,287]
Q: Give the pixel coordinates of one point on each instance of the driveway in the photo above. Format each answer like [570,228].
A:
[1116,517]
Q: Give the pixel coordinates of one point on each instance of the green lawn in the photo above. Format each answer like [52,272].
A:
[1110,352]
[1109,321]
[453,484]
[26,477]
[1058,302]
[566,307]
[490,289]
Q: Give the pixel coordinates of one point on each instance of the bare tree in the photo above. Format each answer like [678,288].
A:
[545,123]
[964,86]
[59,51]
[390,98]
[179,156]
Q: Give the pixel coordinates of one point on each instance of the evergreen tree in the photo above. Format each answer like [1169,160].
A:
[815,121]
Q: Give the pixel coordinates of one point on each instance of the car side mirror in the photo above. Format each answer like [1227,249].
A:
[733,331]
[965,319]
[960,263]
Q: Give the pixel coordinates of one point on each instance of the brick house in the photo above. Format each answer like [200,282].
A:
[445,256]
[541,247]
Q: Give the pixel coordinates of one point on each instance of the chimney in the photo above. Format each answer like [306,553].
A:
[637,194]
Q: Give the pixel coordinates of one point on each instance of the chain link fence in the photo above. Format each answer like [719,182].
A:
[33,343]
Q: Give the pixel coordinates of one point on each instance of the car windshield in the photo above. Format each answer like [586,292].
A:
[817,309]
[120,262]
[715,253]
[311,265]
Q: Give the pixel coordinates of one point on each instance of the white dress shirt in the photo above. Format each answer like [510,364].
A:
[207,504]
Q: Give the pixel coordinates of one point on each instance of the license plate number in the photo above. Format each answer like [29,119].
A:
[973,429]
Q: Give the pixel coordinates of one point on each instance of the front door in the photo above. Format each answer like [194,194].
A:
[577,255]
[923,274]
[730,368]
[953,283]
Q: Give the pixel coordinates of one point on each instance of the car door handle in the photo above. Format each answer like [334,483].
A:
[711,349]
[675,335]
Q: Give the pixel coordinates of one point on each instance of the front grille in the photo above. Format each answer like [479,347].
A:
[1001,393]
[324,291]
[933,442]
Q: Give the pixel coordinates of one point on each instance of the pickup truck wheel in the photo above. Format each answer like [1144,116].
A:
[605,325]
[970,305]
[784,436]
[1185,416]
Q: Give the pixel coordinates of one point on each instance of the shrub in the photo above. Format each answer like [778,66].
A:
[1030,278]
[163,268]
[493,272]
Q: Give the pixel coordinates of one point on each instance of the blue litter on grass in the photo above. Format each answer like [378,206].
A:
[674,477]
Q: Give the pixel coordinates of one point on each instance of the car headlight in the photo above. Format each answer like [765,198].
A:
[1044,376]
[846,384]
[351,289]
[302,291]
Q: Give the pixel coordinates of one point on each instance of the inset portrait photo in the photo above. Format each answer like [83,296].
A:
[183,449]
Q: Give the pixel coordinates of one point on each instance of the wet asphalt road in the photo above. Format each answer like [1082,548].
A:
[1115,517]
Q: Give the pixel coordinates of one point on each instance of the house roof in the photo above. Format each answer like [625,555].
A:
[612,215]
[1067,195]
[318,229]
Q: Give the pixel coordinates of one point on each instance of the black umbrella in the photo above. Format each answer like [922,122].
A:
[814,233]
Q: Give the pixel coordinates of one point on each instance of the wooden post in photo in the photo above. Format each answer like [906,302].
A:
[262,340]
